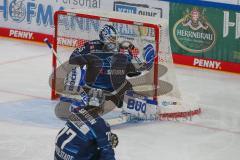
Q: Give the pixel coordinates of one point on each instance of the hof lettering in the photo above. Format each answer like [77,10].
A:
[29,11]
[136,105]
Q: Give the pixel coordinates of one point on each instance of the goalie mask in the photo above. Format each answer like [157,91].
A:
[108,35]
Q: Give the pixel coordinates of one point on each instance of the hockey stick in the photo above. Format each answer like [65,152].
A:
[53,51]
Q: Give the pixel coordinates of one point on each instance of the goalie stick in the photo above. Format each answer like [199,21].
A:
[53,51]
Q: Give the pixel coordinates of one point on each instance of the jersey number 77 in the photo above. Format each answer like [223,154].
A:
[68,131]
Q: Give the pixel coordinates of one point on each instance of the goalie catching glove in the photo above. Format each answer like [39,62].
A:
[146,60]
[149,55]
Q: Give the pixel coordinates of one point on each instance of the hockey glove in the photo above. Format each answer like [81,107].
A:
[149,55]
[114,140]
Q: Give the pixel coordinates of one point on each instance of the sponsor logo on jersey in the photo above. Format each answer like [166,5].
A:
[20,34]
[79,124]
[90,118]
[207,63]
[63,155]
[118,72]
[193,32]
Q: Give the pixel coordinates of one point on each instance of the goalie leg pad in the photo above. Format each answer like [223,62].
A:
[139,106]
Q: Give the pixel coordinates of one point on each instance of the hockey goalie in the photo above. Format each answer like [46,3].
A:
[104,64]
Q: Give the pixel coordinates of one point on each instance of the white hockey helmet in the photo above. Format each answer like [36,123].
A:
[108,35]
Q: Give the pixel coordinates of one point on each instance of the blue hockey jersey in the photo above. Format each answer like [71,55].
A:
[96,48]
[84,139]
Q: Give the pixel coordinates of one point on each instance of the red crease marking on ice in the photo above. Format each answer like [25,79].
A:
[212,128]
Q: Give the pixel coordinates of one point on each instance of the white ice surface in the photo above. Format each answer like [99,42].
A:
[28,126]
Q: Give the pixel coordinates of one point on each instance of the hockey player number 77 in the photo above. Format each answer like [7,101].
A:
[68,131]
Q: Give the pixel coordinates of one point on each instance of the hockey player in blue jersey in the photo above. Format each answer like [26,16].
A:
[86,136]
[108,62]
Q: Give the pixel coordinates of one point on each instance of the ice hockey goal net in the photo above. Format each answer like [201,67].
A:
[75,27]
